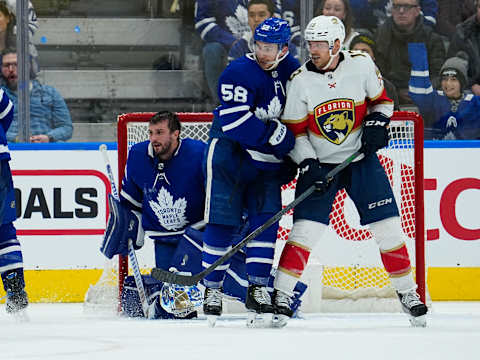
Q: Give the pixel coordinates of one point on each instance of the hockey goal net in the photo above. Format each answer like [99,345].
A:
[345,271]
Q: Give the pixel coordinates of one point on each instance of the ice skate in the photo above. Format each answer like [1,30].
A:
[259,307]
[212,305]
[283,311]
[17,299]
[414,308]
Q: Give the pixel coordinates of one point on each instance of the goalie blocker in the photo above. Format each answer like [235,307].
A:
[123,224]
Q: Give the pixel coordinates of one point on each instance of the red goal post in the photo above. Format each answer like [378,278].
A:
[405,174]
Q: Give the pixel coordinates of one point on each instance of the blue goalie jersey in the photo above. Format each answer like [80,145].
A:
[250,97]
[169,194]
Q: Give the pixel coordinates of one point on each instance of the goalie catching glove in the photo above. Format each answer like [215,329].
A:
[123,225]
[375,133]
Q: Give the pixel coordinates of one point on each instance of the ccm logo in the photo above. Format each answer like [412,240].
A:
[375,123]
[380,203]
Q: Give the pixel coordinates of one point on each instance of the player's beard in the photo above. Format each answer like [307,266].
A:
[163,148]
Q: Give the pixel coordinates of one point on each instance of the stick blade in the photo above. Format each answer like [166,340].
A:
[172,278]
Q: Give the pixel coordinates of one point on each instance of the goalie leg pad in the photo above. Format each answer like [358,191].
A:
[188,254]
[123,224]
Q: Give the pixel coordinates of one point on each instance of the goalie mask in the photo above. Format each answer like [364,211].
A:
[180,300]
[326,28]
[273,31]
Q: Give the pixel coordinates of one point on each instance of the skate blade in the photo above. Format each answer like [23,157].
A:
[419,321]
[279,321]
[212,320]
[255,320]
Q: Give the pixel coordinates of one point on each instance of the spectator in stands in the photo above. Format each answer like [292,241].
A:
[467,38]
[219,24]
[365,42]
[369,14]
[290,11]
[392,39]
[451,13]
[50,119]
[342,10]
[8,37]
[450,113]
[258,10]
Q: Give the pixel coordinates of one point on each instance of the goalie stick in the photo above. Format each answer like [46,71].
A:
[137,275]
[170,277]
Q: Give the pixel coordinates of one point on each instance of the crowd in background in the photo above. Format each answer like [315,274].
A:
[50,119]
[418,78]
[428,51]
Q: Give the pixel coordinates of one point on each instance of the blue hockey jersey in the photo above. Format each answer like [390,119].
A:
[249,98]
[221,21]
[448,122]
[169,194]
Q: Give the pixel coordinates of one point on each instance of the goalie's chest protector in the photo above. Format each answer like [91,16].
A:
[173,191]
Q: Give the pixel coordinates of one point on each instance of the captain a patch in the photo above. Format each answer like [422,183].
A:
[335,119]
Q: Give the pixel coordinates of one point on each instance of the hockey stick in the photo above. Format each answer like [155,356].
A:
[169,277]
[137,275]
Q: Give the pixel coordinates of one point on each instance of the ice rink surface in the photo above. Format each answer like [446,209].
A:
[64,331]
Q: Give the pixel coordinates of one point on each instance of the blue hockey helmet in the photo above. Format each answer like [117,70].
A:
[273,30]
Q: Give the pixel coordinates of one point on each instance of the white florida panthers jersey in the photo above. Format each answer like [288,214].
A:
[325,109]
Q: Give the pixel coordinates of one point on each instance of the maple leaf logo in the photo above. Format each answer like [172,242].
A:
[170,214]
[238,24]
[273,111]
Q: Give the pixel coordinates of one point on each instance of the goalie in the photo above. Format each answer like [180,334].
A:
[162,193]
[162,200]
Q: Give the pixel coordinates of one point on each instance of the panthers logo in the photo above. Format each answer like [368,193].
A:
[335,119]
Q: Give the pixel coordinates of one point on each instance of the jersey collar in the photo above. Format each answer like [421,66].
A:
[311,67]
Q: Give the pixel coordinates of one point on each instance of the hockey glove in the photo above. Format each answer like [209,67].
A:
[375,133]
[123,225]
[311,174]
[280,138]
[288,170]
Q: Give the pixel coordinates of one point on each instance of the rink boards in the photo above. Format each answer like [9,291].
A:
[62,190]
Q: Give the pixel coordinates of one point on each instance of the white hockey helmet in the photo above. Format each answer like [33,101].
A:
[325,28]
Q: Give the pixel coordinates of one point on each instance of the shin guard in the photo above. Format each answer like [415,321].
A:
[295,254]
[394,253]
